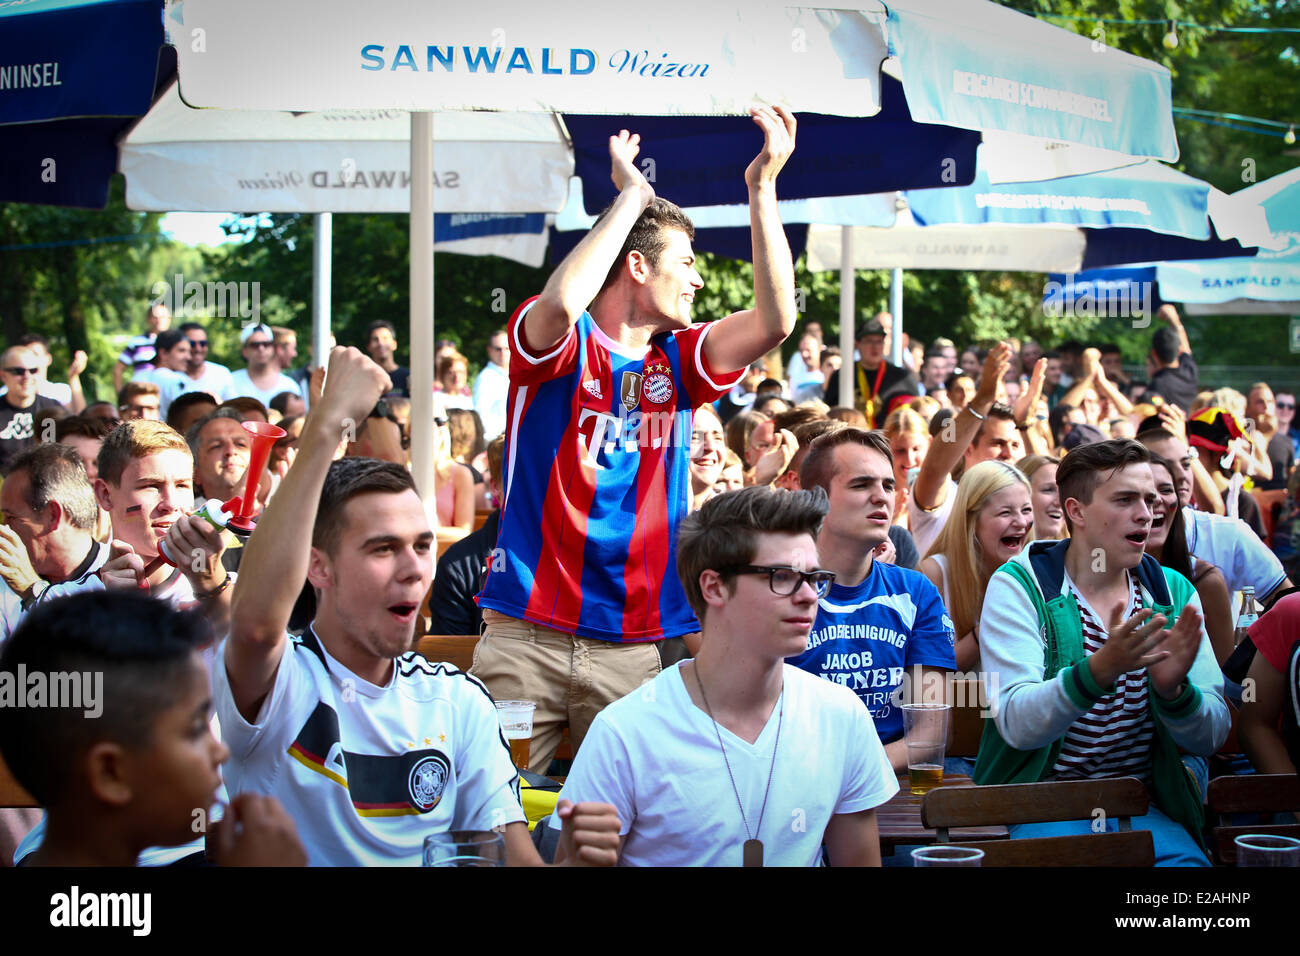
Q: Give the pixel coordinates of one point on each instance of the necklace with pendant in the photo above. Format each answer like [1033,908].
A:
[752,852]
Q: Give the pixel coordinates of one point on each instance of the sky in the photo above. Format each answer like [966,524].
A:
[197,228]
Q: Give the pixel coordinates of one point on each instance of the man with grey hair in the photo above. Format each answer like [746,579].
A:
[221,449]
[49,513]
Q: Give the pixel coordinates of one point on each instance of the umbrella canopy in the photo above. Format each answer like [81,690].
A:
[975,65]
[1058,225]
[1266,283]
[75,58]
[181,158]
[75,74]
[1146,196]
[698,159]
[985,67]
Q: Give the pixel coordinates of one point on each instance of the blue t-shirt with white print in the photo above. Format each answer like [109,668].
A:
[866,636]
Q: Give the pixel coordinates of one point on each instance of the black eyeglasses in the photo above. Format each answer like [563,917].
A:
[785,581]
[260,345]
[20,372]
[1285,404]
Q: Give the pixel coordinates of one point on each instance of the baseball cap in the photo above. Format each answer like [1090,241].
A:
[871,327]
[247,332]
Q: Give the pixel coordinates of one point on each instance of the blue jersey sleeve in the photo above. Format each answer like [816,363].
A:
[933,642]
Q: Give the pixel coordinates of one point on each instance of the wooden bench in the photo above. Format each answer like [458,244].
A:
[1251,793]
[458,650]
[1122,798]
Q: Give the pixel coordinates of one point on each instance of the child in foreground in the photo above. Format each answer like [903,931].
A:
[118,745]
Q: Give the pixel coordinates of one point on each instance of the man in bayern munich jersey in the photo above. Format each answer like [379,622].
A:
[606,372]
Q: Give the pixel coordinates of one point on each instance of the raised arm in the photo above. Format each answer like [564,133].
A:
[742,337]
[275,560]
[948,447]
[75,368]
[578,279]
[1169,314]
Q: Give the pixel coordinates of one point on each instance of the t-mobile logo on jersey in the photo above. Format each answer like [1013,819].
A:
[629,433]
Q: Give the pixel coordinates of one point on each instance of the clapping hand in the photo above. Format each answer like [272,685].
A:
[1027,403]
[1182,641]
[996,364]
[1130,646]
[77,365]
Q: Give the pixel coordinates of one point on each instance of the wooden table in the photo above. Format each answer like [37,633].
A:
[899,820]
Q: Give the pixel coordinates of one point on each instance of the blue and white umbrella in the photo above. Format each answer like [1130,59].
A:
[74,74]
[1143,212]
[1266,283]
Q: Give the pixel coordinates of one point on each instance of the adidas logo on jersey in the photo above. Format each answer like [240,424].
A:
[593,387]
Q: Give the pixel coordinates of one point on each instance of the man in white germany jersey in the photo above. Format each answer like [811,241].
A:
[368,746]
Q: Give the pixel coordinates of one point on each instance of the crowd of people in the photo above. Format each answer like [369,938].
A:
[685,539]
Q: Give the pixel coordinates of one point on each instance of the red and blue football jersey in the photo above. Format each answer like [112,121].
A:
[597,481]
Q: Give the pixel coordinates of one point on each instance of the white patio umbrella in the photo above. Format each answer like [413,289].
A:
[178,158]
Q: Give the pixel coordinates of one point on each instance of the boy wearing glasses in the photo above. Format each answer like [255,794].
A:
[21,371]
[879,621]
[736,757]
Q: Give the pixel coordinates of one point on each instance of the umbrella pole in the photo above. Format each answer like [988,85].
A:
[322,275]
[896,309]
[847,309]
[421,245]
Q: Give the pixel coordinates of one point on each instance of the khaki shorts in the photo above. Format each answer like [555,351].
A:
[571,679]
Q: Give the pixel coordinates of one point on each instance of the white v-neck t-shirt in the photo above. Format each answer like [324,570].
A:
[654,755]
